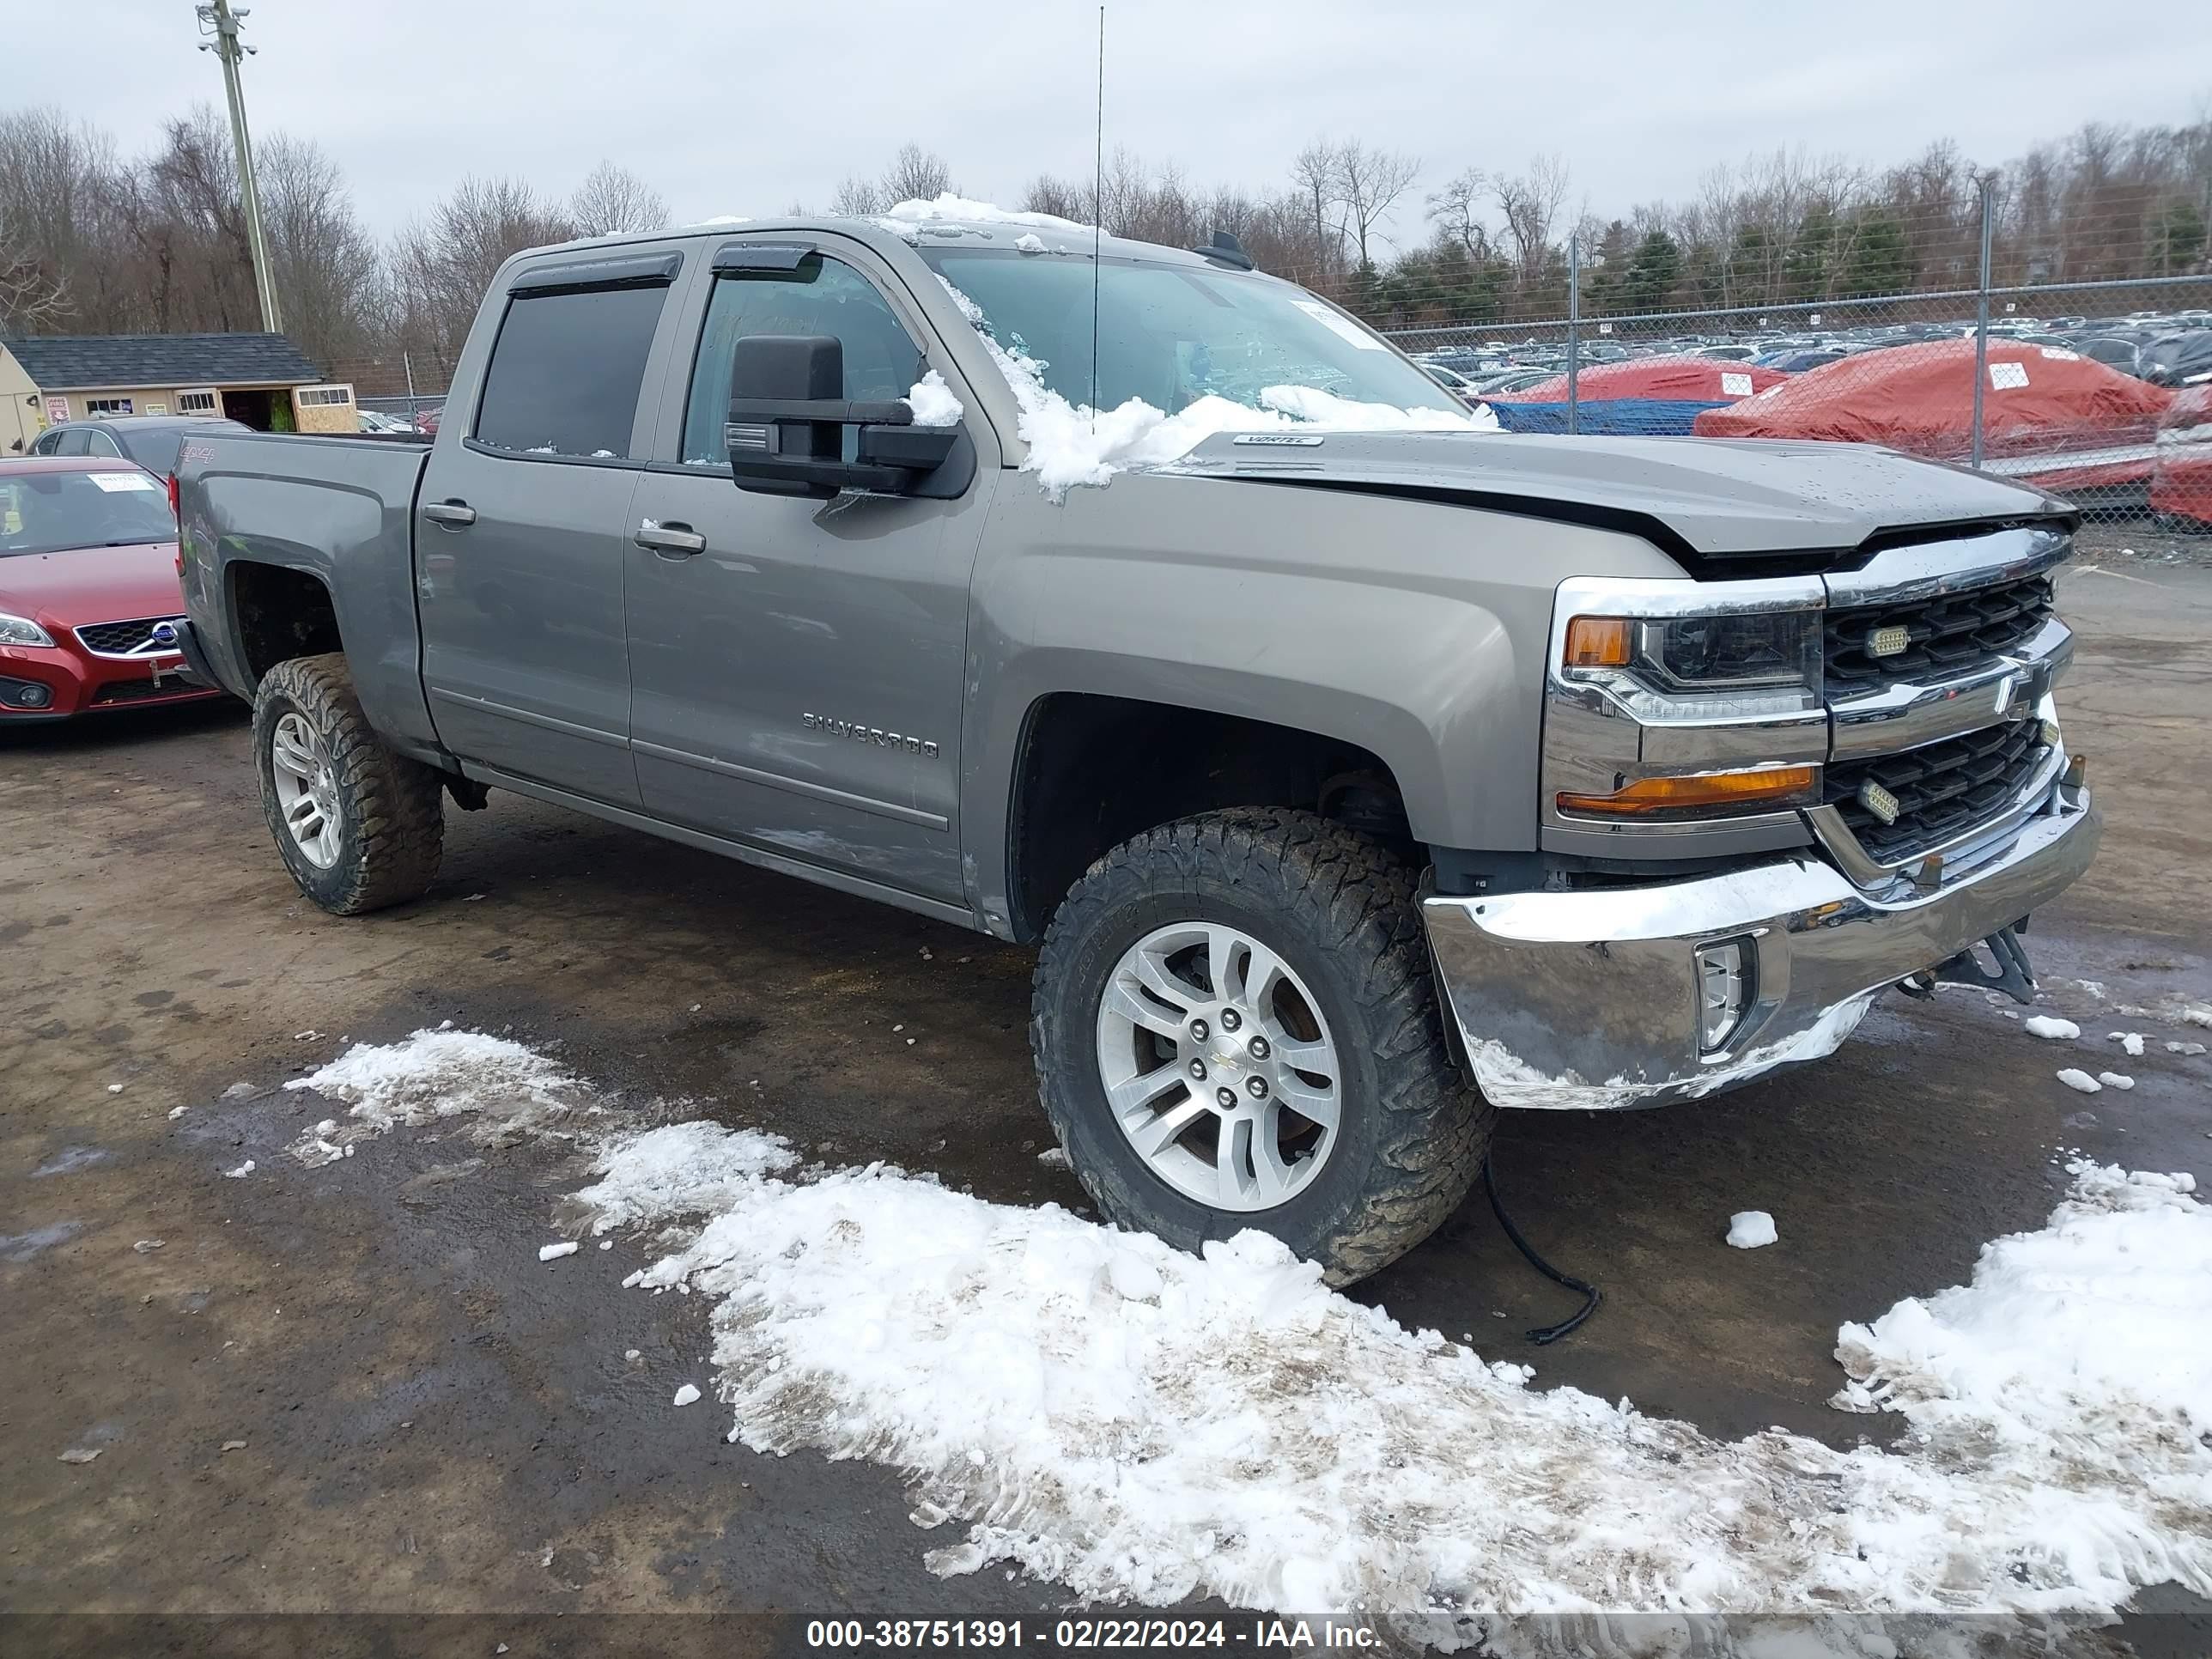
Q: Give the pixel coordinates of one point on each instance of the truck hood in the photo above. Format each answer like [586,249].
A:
[1702,500]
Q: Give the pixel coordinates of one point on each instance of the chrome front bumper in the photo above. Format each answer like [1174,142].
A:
[1589,1000]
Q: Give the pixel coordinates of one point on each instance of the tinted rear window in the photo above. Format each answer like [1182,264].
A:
[54,512]
[567,369]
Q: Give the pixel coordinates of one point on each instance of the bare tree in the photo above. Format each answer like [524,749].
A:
[612,199]
[61,204]
[324,262]
[441,266]
[858,198]
[916,175]
[1530,203]
[32,299]
[1455,212]
[190,227]
[1369,183]
[1046,194]
[1314,173]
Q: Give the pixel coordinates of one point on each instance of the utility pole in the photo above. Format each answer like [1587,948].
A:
[217,17]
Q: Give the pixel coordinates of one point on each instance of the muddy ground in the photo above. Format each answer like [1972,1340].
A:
[434,1420]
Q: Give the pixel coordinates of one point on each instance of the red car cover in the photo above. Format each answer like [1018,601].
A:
[2181,482]
[2098,426]
[1674,379]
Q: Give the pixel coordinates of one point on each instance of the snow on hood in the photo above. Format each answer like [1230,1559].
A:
[1072,444]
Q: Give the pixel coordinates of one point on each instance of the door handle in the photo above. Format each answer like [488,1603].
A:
[454,515]
[670,541]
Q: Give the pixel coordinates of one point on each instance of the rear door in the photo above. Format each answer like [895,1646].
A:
[797,666]
[520,525]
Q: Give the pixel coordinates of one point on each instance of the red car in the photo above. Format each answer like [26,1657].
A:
[88,576]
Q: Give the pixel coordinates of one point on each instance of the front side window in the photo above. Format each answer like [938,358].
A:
[99,443]
[1170,334]
[57,512]
[567,369]
[821,296]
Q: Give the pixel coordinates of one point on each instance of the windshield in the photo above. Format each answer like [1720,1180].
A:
[53,512]
[1173,334]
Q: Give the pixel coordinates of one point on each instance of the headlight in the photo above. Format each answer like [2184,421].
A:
[22,630]
[1700,668]
[1670,704]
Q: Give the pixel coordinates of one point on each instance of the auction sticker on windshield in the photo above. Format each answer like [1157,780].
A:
[1329,320]
[112,481]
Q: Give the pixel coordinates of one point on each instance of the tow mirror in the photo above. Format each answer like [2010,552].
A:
[788,416]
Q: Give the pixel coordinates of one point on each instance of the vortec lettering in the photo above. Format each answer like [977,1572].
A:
[874,734]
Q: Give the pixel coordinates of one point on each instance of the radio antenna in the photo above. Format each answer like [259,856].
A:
[1097,212]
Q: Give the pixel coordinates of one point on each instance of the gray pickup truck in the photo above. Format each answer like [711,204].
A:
[1354,780]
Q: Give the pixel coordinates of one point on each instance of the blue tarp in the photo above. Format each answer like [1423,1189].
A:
[1642,417]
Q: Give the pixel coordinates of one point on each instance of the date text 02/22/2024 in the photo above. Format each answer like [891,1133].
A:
[1086,1634]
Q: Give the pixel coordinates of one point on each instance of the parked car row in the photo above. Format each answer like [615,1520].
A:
[2169,349]
[2089,407]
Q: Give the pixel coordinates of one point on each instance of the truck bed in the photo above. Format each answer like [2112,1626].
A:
[332,508]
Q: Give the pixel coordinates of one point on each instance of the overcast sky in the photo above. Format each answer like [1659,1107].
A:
[727,107]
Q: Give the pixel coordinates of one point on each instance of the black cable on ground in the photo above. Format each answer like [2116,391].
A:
[1591,1295]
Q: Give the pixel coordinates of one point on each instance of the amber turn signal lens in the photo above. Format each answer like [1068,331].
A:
[1598,642]
[1778,785]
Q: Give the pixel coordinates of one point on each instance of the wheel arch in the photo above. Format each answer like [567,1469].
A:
[274,613]
[1091,769]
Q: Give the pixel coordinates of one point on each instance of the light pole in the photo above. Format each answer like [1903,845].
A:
[216,18]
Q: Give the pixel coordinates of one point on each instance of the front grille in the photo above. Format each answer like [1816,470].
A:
[120,638]
[1946,636]
[1943,790]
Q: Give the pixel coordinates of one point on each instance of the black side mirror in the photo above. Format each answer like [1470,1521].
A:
[788,421]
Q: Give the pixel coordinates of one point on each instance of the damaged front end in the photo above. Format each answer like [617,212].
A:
[1866,769]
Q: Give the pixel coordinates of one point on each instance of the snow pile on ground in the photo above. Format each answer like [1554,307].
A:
[933,402]
[688,1168]
[1072,444]
[1144,1425]
[507,1087]
[2070,1345]
[2050,1026]
[1098,1409]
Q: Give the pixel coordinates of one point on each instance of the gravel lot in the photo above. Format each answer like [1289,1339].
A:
[434,1421]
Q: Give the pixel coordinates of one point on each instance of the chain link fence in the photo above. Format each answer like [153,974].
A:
[2099,391]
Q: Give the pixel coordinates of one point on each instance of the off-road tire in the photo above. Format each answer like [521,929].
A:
[392,823]
[1341,910]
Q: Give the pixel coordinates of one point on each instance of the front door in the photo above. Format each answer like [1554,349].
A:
[520,533]
[796,665]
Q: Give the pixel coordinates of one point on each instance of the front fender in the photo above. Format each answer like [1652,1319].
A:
[1412,628]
